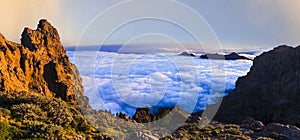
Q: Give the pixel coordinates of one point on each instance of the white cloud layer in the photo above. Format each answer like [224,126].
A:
[154,80]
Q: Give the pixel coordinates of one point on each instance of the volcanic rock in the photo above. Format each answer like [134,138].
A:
[143,115]
[270,92]
[39,65]
[289,131]
[252,124]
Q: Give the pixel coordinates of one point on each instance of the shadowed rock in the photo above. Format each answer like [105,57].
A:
[187,54]
[143,115]
[270,92]
[288,131]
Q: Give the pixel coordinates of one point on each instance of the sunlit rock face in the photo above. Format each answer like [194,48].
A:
[269,92]
[39,65]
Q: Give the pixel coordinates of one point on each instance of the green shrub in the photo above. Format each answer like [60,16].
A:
[9,132]
[35,116]
[5,131]
[6,111]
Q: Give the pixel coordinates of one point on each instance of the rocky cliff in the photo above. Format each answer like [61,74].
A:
[39,65]
[269,92]
[41,90]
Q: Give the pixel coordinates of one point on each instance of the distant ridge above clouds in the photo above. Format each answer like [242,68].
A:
[151,48]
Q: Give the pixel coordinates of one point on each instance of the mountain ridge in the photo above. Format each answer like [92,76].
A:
[270,92]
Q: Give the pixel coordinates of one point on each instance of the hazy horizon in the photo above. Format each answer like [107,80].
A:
[151,48]
[237,24]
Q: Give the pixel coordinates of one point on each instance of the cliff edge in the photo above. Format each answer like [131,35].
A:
[39,65]
[270,92]
[41,90]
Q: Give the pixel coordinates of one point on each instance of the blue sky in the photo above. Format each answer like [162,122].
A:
[237,24]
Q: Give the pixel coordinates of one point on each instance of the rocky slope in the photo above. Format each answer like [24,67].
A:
[41,92]
[270,92]
[250,129]
[197,127]
[39,65]
[24,115]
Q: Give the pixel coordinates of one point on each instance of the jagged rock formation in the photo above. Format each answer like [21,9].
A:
[39,65]
[143,115]
[270,92]
[41,92]
[231,56]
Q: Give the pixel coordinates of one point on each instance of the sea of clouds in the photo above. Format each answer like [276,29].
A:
[123,82]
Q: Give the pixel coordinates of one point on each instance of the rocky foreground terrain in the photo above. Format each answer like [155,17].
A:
[40,89]
[197,127]
[270,92]
[264,104]
[41,96]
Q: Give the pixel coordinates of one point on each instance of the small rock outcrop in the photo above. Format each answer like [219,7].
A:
[143,115]
[39,65]
[270,92]
[252,124]
[231,56]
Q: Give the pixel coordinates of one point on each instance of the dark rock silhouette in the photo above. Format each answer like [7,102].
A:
[143,115]
[231,56]
[39,65]
[270,92]
[187,54]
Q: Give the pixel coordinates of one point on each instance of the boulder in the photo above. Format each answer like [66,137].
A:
[144,135]
[288,131]
[252,124]
[270,92]
[193,119]
[39,65]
